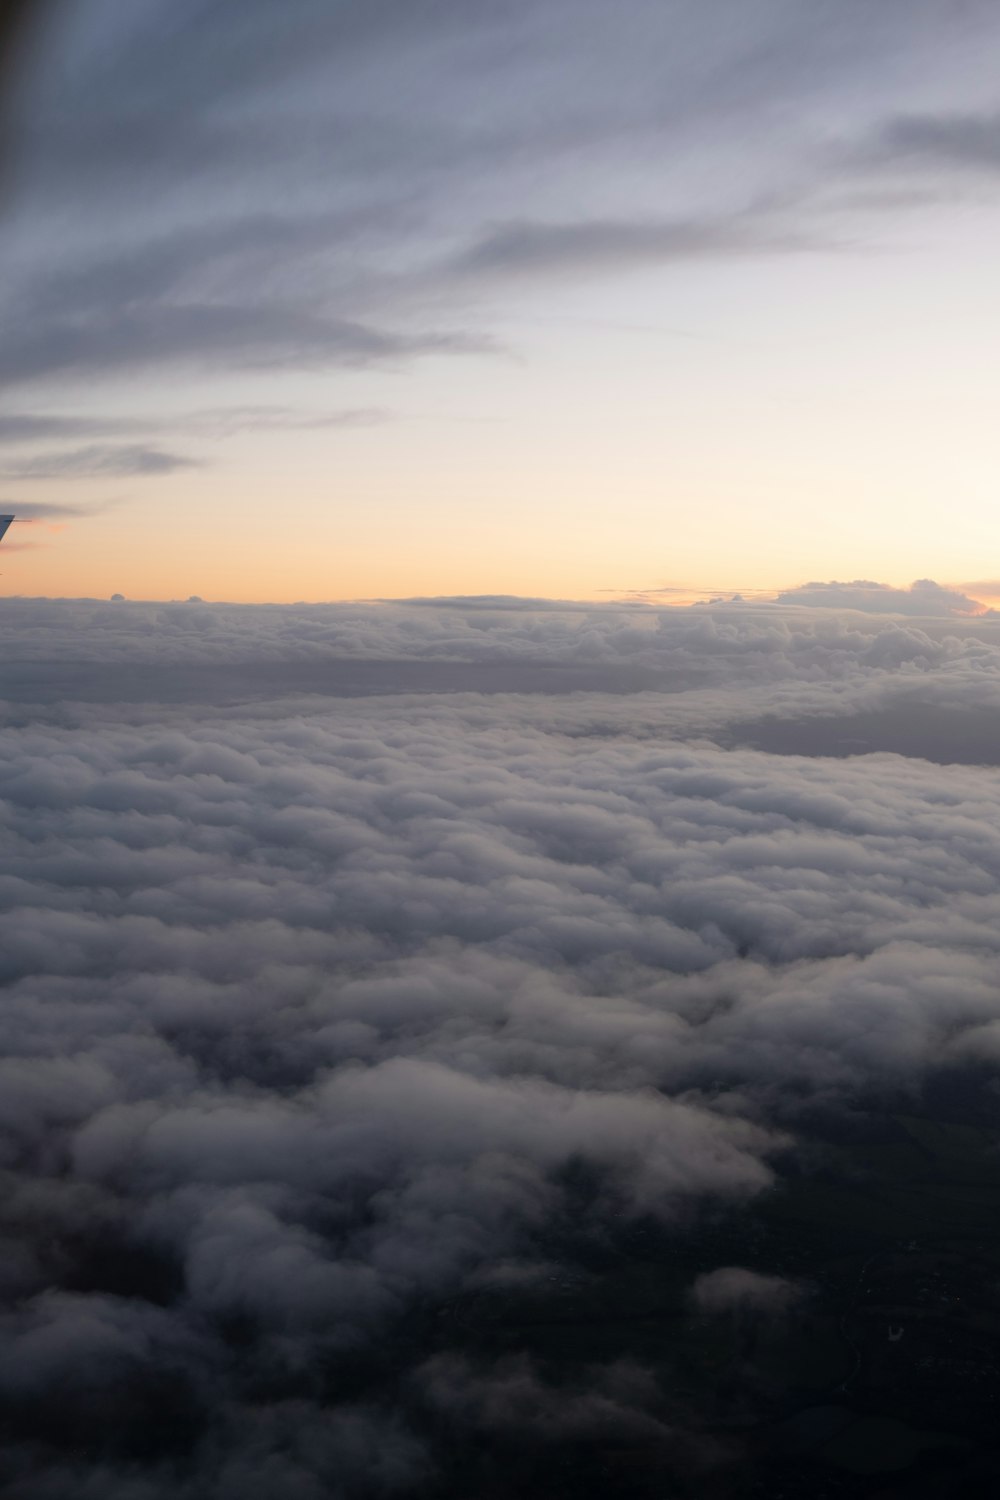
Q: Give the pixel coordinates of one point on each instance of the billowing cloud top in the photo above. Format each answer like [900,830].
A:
[334,1005]
[925,597]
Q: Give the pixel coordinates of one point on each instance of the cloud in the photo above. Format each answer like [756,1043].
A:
[408,166]
[323,1012]
[17,428]
[245,293]
[966,141]
[513,1400]
[515,603]
[701,670]
[353,956]
[540,249]
[225,421]
[104,339]
[736,1289]
[28,427]
[925,597]
[45,510]
[100,462]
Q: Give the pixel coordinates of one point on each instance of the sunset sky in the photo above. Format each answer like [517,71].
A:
[414,297]
[499,747]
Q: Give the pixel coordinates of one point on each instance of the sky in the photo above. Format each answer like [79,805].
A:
[381,300]
[431,964]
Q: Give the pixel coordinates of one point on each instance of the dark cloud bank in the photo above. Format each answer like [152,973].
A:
[397,1079]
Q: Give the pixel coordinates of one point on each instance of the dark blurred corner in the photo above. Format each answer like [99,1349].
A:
[16,17]
[17,20]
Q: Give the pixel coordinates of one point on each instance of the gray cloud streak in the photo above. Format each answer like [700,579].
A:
[100,462]
[460,148]
[54,510]
[962,142]
[19,428]
[538,249]
[105,339]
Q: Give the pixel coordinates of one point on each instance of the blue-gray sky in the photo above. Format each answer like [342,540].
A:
[541,298]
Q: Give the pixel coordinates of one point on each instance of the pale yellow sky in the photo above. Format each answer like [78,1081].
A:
[817,426]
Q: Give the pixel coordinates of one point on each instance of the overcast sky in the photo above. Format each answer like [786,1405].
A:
[394,297]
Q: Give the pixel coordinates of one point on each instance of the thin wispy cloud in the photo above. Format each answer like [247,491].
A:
[98,461]
[540,249]
[38,511]
[954,143]
[20,428]
[368,183]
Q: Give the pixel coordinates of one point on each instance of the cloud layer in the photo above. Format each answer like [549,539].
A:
[922,598]
[321,1013]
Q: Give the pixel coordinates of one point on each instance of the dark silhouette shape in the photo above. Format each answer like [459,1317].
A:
[16,20]
[14,17]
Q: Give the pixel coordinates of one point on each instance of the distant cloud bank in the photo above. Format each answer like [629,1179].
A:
[925,597]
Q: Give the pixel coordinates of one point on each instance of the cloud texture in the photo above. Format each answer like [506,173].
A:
[924,597]
[321,1012]
[409,159]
